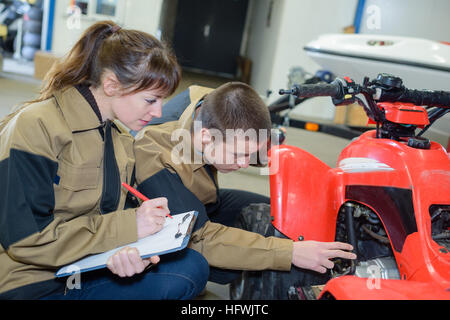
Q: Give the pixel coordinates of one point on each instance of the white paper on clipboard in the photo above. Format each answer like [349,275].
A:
[173,236]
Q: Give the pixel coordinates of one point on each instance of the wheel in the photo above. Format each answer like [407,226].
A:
[267,284]
[35,13]
[29,52]
[255,218]
[32,26]
[31,39]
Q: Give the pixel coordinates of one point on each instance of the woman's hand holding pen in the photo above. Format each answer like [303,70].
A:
[150,216]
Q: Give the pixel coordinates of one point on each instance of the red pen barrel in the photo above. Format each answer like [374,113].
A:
[138,194]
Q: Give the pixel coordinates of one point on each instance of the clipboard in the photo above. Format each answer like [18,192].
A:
[174,236]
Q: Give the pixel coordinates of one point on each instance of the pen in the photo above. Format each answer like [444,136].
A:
[139,195]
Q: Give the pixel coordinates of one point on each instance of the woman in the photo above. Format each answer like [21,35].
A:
[62,160]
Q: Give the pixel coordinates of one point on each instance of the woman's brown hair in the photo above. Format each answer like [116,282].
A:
[139,61]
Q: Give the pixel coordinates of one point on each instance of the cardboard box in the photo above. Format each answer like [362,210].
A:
[43,62]
[352,115]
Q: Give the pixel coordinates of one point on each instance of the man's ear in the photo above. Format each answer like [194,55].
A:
[111,85]
[205,136]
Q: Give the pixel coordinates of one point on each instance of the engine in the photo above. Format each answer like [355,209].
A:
[375,256]
[440,224]
[360,226]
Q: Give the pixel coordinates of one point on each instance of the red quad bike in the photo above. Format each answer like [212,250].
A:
[389,196]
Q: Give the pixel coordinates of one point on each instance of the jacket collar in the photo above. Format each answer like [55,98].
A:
[79,114]
[185,122]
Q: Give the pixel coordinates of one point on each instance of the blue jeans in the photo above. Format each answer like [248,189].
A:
[180,275]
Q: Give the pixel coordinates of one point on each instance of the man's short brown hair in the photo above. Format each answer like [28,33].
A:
[235,105]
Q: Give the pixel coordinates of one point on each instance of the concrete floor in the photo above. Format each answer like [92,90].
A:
[16,89]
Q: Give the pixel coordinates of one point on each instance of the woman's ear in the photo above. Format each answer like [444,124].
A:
[111,85]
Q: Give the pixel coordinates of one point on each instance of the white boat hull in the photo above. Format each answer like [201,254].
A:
[357,68]
[422,64]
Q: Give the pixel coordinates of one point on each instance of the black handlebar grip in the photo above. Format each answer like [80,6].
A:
[334,90]
[418,97]
[427,98]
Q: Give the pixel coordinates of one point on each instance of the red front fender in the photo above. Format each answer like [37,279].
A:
[304,195]
[354,288]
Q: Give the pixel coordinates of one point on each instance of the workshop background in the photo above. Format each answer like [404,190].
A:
[255,41]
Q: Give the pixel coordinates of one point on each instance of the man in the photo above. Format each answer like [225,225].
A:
[203,131]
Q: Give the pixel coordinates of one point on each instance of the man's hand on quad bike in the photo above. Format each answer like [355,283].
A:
[314,255]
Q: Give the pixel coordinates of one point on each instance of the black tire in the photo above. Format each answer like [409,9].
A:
[9,44]
[31,39]
[268,285]
[35,13]
[29,52]
[32,26]
[255,218]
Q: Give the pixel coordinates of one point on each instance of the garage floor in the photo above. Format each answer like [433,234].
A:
[15,89]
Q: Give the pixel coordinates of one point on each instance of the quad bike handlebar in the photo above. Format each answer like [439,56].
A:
[419,97]
[333,89]
[385,88]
